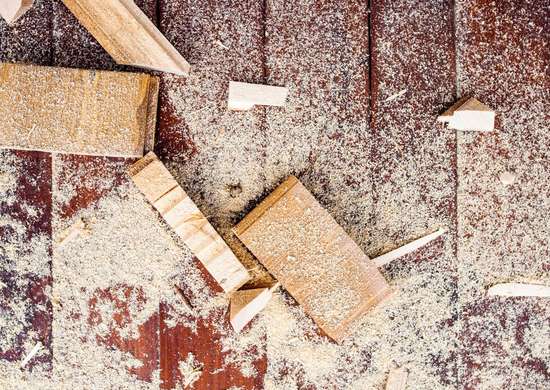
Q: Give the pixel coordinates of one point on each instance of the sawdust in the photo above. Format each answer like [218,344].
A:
[190,371]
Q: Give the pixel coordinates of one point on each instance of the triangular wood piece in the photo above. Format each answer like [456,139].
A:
[519,290]
[406,249]
[469,114]
[397,379]
[246,304]
[11,10]
[128,35]
[244,96]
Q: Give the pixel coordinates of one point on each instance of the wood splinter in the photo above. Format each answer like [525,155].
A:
[408,248]
[11,10]
[519,290]
[246,304]
[31,354]
[180,212]
[244,96]
[128,35]
[469,114]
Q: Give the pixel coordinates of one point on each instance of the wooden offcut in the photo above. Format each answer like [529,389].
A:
[469,114]
[244,96]
[11,10]
[77,111]
[313,258]
[246,304]
[180,212]
[128,35]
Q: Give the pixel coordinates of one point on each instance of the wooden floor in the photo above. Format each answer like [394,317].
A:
[343,60]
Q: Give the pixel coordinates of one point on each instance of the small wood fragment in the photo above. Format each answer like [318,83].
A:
[314,259]
[128,35]
[180,212]
[244,96]
[507,178]
[246,304]
[519,290]
[408,248]
[77,111]
[31,354]
[469,114]
[79,228]
[397,379]
[11,10]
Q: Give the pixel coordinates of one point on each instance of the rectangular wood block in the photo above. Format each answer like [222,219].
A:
[314,259]
[128,35]
[77,111]
[180,212]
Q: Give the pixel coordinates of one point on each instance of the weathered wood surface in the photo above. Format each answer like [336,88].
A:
[345,111]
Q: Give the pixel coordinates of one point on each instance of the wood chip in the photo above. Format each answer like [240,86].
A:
[469,114]
[246,304]
[11,10]
[519,290]
[397,379]
[244,96]
[31,354]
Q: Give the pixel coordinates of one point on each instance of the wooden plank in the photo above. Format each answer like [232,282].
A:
[179,211]
[244,96]
[313,258]
[119,119]
[11,10]
[503,229]
[128,34]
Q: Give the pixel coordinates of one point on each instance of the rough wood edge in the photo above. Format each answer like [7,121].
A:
[269,201]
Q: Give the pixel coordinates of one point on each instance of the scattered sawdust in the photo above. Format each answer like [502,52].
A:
[190,370]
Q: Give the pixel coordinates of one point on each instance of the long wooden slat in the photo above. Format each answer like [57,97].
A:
[179,211]
[313,258]
[503,227]
[75,111]
[128,34]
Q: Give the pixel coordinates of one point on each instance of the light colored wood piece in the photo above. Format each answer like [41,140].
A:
[244,96]
[406,249]
[178,210]
[11,10]
[246,304]
[397,379]
[79,228]
[519,290]
[469,114]
[77,111]
[31,354]
[128,35]
[314,259]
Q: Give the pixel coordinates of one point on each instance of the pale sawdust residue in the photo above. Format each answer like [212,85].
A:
[190,370]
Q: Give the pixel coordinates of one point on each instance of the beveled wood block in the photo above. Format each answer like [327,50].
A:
[180,212]
[313,258]
[77,111]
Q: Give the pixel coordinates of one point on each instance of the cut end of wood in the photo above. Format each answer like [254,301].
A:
[246,304]
[244,96]
[12,10]
[519,290]
[469,114]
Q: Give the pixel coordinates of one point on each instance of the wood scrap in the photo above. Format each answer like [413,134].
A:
[31,354]
[180,212]
[397,379]
[128,35]
[246,304]
[244,96]
[79,228]
[519,290]
[406,249]
[314,259]
[77,111]
[469,114]
[11,10]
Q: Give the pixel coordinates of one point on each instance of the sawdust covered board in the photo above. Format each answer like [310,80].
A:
[77,111]
[313,258]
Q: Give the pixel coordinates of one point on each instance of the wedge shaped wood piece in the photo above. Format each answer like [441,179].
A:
[313,258]
[178,210]
[519,290]
[244,96]
[128,35]
[407,248]
[77,111]
[397,379]
[246,304]
[11,10]
[469,114]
